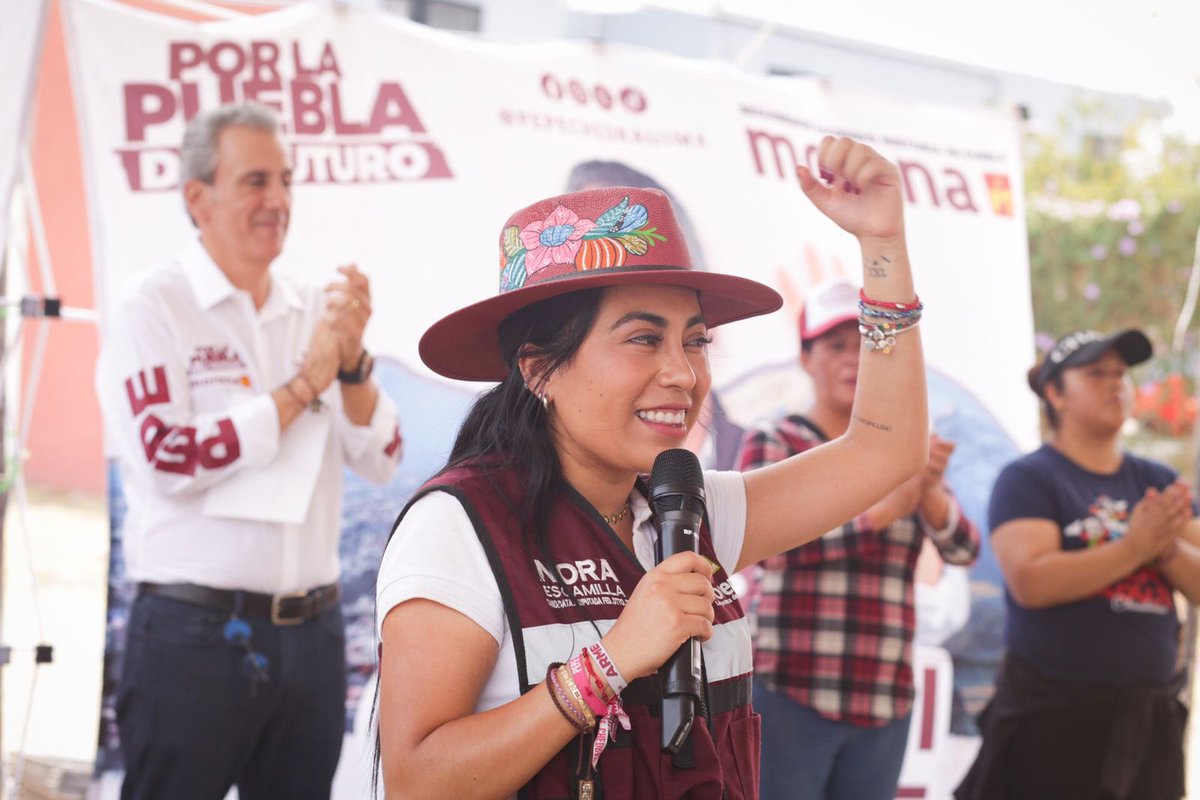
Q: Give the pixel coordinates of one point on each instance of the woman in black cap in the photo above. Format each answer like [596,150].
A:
[1092,541]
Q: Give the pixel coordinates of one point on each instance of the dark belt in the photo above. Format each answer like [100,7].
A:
[291,608]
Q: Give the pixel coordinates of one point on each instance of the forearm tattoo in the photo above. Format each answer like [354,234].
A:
[879,426]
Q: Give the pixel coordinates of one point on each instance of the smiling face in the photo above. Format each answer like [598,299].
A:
[243,214]
[1096,397]
[635,386]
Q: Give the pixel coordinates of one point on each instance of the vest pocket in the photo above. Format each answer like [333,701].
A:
[744,738]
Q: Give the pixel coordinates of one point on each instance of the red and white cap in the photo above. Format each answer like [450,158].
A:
[827,305]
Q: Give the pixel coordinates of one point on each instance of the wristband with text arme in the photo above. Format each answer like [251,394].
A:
[603,690]
[608,668]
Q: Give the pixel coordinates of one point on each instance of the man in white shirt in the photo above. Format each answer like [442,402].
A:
[232,399]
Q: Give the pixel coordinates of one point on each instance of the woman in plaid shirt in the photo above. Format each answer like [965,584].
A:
[833,647]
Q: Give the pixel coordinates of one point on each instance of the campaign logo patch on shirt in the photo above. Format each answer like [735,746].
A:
[217,364]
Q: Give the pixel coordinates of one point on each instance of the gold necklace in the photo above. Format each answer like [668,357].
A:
[613,519]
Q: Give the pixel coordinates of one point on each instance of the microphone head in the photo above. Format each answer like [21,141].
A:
[676,474]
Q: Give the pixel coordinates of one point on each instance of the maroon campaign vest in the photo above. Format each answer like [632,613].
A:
[554,609]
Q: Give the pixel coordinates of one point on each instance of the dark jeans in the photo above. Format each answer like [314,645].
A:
[192,723]
[808,757]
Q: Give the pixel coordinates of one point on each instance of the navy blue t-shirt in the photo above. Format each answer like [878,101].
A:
[1123,634]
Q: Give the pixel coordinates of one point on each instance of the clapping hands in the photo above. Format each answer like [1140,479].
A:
[349,309]
[1158,519]
[336,342]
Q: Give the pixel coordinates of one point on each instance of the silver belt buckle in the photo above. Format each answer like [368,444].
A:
[279,598]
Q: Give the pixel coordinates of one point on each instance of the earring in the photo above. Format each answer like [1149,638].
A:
[546,401]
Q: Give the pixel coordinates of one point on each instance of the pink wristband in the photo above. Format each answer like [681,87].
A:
[565,706]
[607,729]
[584,684]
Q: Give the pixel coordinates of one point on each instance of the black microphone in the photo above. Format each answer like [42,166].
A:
[677,496]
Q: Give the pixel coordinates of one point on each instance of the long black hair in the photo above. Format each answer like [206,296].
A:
[508,426]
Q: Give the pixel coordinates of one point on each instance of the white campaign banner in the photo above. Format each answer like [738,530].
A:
[412,146]
[20,48]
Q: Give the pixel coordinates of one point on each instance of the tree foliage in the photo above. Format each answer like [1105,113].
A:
[1112,237]
[1112,233]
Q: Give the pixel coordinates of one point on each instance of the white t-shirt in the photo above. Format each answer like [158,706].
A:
[943,608]
[436,555]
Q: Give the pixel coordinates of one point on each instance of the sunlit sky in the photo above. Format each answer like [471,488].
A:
[1146,48]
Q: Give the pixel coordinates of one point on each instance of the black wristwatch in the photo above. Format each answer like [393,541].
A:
[361,371]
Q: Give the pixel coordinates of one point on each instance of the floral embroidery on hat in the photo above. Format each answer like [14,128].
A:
[566,238]
[555,240]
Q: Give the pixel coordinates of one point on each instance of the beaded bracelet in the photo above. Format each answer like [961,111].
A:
[295,396]
[882,338]
[872,311]
[563,702]
[881,321]
[315,404]
[916,302]
[889,326]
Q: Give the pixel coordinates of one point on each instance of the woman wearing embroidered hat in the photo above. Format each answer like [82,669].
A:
[535,544]
[1092,541]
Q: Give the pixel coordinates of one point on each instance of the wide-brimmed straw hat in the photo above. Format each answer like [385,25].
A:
[583,240]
